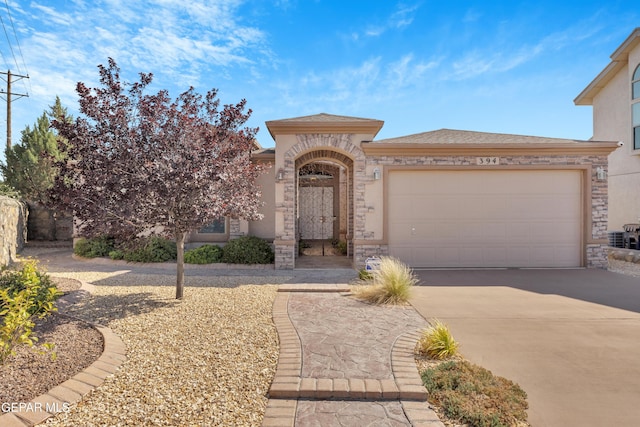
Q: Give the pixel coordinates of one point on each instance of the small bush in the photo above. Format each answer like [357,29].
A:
[437,342]
[341,247]
[365,275]
[29,276]
[472,395]
[153,249]
[205,254]
[248,250]
[116,254]
[95,247]
[391,283]
[24,295]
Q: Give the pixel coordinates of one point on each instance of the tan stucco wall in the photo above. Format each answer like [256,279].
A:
[612,122]
[374,202]
[265,228]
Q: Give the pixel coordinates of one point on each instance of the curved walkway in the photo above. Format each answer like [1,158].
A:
[58,398]
[345,362]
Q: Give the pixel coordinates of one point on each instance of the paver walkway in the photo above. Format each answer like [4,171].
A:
[344,362]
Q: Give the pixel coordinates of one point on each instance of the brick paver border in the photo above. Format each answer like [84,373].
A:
[73,389]
[288,385]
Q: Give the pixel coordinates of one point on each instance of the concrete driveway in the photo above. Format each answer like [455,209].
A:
[570,338]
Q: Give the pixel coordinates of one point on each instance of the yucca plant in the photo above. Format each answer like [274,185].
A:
[390,284]
[437,342]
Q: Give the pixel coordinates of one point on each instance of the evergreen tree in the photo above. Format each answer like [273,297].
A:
[30,165]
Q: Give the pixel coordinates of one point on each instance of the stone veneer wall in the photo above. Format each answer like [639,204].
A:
[13,228]
[595,253]
[337,147]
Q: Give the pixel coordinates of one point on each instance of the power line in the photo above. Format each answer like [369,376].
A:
[15,35]
[9,42]
[9,93]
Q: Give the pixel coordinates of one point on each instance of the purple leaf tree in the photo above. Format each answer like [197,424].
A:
[139,162]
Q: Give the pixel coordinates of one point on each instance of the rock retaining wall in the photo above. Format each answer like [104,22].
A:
[13,228]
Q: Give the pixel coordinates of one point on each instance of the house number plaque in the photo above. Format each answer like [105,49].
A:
[487,161]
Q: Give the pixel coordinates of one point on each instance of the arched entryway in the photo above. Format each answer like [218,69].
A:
[323,209]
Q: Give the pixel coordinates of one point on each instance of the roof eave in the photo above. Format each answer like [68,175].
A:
[277,127]
[605,76]
[413,149]
[619,58]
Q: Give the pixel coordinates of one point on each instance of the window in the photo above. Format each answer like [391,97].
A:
[635,108]
[217,227]
[635,84]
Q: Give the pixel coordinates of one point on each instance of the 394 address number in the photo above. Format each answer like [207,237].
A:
[486,161]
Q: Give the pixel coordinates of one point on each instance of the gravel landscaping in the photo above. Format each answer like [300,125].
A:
[32,372]
[206,360]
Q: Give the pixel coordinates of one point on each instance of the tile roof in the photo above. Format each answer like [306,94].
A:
[323,118]
[450,136]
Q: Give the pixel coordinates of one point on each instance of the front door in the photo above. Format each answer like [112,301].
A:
[316,213]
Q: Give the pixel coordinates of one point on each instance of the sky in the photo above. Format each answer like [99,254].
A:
[503,66]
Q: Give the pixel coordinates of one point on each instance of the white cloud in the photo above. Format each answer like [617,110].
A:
[53,16]
[402,17]
[351,88]
[503,56]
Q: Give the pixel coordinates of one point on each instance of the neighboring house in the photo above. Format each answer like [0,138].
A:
[445,198]
[615,97]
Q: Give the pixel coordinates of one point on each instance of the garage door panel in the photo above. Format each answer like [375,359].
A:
[485,218]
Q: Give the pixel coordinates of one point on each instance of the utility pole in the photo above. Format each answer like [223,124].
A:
[10,78]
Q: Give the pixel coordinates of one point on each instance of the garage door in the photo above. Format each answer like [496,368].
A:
[486,218]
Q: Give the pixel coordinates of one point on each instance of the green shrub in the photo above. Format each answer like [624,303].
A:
[472,395]
[341,247]
[365,275]
[95,247]
[248,250]
[391,283]
[28,276]
[153,249]
[205,254]
[437,342]
[24,295]
[116,254]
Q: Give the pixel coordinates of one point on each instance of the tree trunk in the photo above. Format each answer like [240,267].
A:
[180,235]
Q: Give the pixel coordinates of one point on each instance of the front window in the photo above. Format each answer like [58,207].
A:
[216,227]
[635,108]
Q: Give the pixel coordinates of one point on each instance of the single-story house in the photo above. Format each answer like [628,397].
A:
[615,97]
[446,198]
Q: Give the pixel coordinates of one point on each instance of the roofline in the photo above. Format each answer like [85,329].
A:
[263,156]
[541,149]
[619,58]
[279,127]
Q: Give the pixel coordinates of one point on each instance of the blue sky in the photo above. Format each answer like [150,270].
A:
[498,66]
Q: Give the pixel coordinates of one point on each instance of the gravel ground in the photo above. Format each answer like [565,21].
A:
[29,373]
[32,372]
[623,267]
[206,360]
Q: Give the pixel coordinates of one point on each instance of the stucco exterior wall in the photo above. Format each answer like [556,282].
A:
[612,122]
[265,228]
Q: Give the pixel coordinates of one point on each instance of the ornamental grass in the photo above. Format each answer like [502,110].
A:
[391,283]
[437,342]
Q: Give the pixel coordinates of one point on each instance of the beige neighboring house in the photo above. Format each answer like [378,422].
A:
[615,97]
[446,198]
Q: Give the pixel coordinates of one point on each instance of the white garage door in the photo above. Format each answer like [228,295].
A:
[485,218]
